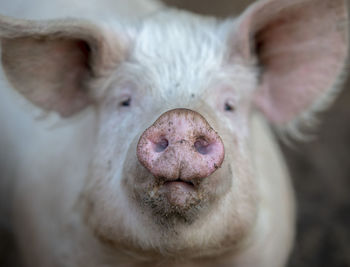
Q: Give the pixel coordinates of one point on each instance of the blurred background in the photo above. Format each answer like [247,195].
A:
[320,170]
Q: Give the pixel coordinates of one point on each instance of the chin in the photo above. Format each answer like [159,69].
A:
[178,203]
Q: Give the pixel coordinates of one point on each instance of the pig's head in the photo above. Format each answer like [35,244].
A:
[172,170]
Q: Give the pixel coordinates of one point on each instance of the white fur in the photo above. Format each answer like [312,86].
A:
[172,55]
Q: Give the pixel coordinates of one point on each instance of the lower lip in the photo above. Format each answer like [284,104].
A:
[178,193]
[179,183]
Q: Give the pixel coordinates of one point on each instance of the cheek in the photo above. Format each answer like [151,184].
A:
[234,129]
[238,125]
[232,113]
[115,134]
[119,131]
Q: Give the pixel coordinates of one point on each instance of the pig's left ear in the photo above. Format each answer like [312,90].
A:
[301,47]
[53,62]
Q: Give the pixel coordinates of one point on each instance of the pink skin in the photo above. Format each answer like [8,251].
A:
[181,148]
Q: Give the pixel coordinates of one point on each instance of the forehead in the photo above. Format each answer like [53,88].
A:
[174,55]
[178,50]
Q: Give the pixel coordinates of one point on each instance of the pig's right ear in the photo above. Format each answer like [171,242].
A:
[52,62]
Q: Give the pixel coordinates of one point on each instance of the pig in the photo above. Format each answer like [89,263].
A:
[134,134]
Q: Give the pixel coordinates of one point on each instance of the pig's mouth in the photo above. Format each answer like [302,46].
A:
[178,200]
[178,192]
[173,200]
[180,181]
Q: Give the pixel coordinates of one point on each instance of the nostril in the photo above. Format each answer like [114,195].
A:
[161,145]
[202,146]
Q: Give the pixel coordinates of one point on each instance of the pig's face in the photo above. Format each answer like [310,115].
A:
[171,197]
[172,169]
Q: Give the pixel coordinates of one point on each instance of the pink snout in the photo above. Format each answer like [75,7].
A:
[180,145]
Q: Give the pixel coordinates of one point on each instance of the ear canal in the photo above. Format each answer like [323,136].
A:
[52,62]
[301,47]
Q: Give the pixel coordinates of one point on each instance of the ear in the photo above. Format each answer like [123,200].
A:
[301,47]
[53,62]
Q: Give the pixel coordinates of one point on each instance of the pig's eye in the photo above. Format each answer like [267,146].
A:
[229,106]
[126,102]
